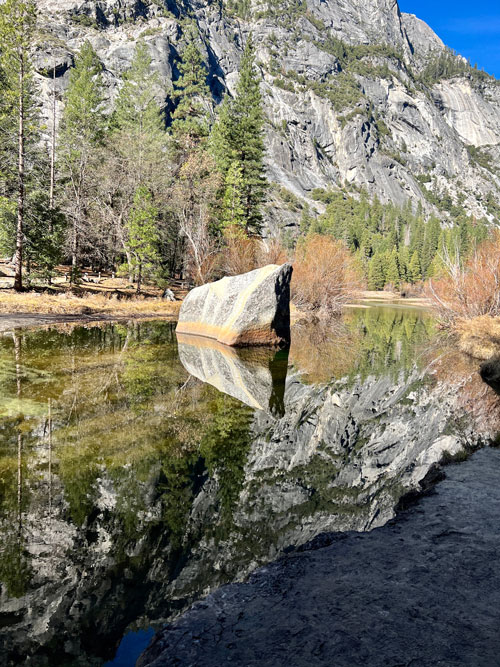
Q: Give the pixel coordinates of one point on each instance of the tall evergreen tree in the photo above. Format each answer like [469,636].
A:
[82,131]
[192,95]
[45,227]
[376,273]
[136,151]
[414,269]
[233,211]
[403,262]
[138,121]
[17,28]
[143,235]
[237,138]
[432,232]
[392,269]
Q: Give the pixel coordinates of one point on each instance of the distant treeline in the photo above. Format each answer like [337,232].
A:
[394,245]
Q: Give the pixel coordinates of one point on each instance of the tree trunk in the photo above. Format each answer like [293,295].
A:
[18,264]
[52,160]
[17,352]
[74,250]
[50,456]
[28,272]
[139,277]
[53,145]
[130,265]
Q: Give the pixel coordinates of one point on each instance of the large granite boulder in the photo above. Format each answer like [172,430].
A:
[249,309]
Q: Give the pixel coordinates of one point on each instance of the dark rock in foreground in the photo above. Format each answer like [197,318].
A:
[249,309]
[490,372]
[422,590]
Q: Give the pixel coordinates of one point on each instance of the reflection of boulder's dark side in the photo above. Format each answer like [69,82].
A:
[254,376]
[250,309]
[490,373]
[278,367]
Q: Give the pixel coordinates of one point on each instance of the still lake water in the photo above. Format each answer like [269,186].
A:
[139,472]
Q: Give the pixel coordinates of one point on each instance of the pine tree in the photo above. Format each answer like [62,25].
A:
[417,236]
[45,228]
[192,94]
[138,124]
[136,152]
[432,232]
[17,29]
[143,233]
[414,270]
[82,131]
[238,138]
[306,219]
[233,210]
[404,263]
[139,114]
[376,273]
[8,221]
[392,269]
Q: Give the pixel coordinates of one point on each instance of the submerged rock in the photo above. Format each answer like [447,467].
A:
[249,309]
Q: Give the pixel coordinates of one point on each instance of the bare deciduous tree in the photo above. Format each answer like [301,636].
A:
[194,195]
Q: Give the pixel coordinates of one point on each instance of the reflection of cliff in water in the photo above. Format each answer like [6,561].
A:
[153,488]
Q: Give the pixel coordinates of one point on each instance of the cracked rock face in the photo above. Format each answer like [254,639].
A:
[312,142]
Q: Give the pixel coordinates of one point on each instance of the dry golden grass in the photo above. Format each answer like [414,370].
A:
[87,304]
[479,337]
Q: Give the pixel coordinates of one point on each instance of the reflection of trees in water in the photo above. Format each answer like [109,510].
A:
[225,446]
[15,567]
[475,399]
[390,338]
[364,342]
[127,427]
[152,481]
[323,351]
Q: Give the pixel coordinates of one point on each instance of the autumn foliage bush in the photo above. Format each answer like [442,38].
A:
[242,254]
[469,289]
[325,274]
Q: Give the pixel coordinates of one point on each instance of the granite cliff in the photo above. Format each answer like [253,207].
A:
[352,93]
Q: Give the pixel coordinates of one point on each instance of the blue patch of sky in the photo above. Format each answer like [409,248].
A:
[131,647]
[470,28]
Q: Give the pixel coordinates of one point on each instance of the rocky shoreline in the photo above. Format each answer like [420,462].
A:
[423,590]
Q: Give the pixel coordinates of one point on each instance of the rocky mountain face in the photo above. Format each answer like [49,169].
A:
[347,95]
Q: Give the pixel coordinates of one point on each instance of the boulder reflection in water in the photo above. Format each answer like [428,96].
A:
[254,376]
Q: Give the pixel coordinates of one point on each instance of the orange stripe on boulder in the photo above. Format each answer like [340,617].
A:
[249,309]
